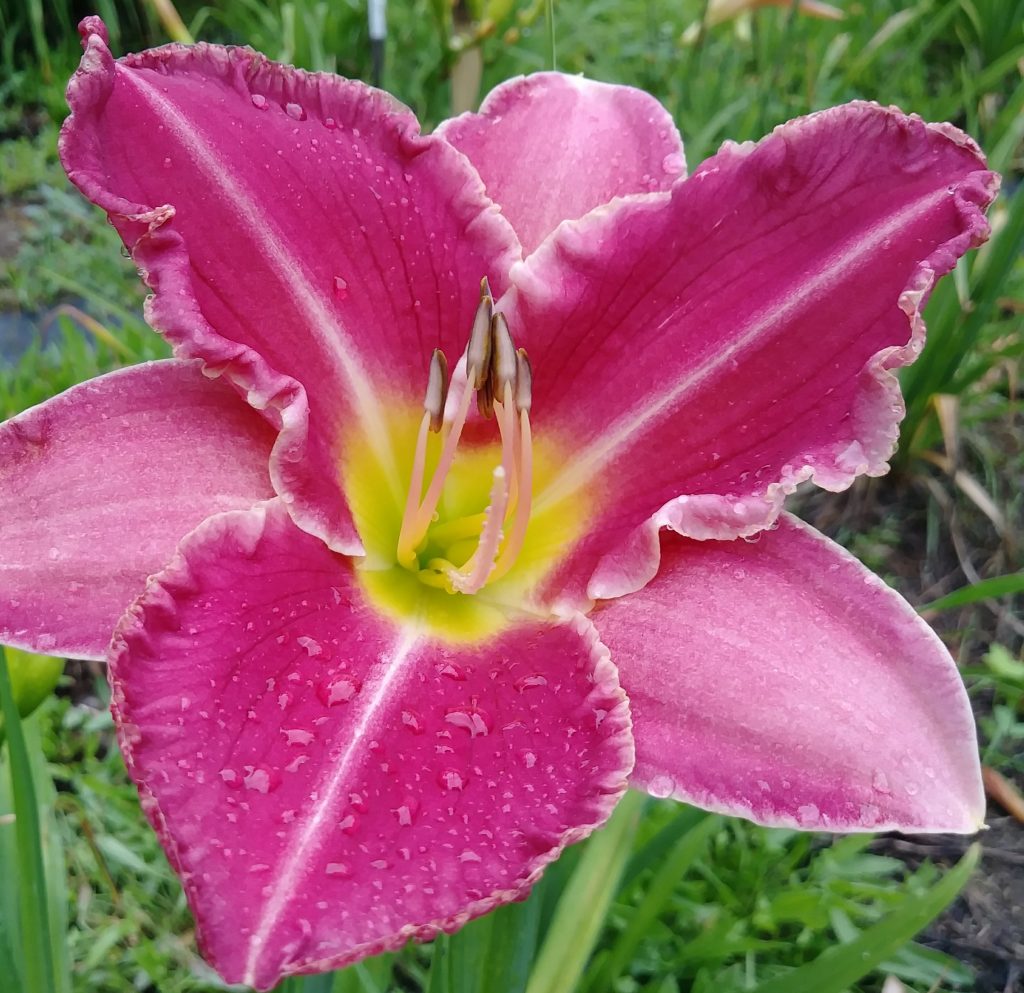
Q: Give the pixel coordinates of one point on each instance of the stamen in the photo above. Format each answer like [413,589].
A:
[424,515]
[503,356]
[505,416]
[524,381]
[407,537]
[478,352]
[517,535]
[474,574]
[437,390]
[485,399]
[502,379]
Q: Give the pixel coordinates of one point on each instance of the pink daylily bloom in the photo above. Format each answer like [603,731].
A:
[370,691]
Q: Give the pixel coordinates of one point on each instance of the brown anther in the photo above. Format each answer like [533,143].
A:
[437,389]
[478,353]
[524,381]
[503,357]
[485,399]
[485,289]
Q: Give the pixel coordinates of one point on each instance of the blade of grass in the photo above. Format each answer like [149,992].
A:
[687,849]
[468,953]
[549,18]
[838,967]
[440,970]
[35,920]
[985,589]
[954,335]
[370,976]
[513,946]
[584,903]
[653,852]
[171,21]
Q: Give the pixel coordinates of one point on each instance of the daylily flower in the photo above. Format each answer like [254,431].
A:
[421,604]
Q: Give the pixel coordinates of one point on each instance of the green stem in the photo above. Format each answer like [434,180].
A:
[35,922]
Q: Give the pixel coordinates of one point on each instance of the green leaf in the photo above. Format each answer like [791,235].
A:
[515,930]
[1002,664]
[468,949]
[37,963]
[835,969]
[584,903]
[440,971]
[983,590]
[33,678]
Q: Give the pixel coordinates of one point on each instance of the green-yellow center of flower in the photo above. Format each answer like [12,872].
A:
[457,544]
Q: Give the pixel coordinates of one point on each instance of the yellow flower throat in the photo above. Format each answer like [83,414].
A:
[460,551]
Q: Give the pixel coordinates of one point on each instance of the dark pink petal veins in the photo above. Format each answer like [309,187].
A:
[299,235]
[329,785]
[551,147]
[781,681]
[98,485]
[706,352]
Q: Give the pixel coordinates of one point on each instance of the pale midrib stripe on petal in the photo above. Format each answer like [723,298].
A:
[307,299]
[619,436]
[291,872]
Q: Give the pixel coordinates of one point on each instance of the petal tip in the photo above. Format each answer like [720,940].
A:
[93,27]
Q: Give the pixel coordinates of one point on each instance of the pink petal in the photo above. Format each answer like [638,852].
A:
[782,681]
[298,234]
[551,147]
[330,785]
[738,335]
[98,484]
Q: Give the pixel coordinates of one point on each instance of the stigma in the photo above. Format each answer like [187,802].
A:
[499,377]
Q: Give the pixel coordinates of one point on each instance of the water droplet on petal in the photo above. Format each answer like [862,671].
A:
[880,782]
[340,288]
[471,719]
[529,758]
[808,814]
[230,778]
[661,786]
[452,672]
[469,856]
[336,691]
[339,869]
[259,101]
[311,645]
[452,779]
[411,720]
[297,736]
[295,112]
[406,812]
[673,164]
[258,779]
[531,682]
